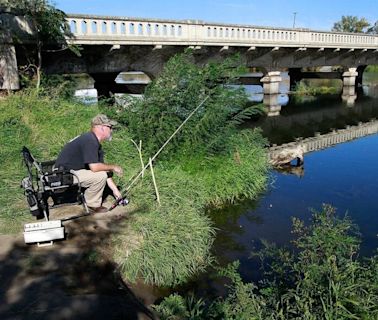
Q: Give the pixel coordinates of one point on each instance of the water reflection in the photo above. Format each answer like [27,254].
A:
[303,118]
[344,176]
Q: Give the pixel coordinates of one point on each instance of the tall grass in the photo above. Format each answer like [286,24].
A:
[208,163]
[169,243]
[315,87]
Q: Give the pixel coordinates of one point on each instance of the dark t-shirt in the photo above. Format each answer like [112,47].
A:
[80,152]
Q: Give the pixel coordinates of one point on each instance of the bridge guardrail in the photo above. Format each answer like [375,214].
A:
[118,30]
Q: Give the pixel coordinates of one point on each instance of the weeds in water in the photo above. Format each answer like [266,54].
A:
[321,279]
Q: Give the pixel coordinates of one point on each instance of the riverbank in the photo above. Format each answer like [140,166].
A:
[163,244]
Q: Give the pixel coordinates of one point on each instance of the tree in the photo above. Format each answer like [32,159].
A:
[50,26]
[351,24]
[373,29]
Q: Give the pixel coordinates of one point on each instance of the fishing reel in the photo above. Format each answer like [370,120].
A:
[119,202]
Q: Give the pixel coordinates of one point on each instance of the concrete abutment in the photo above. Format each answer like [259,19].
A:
[9,79]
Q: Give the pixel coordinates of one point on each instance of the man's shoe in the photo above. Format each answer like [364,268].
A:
[97,209]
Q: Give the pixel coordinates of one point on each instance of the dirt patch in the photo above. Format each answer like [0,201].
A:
[72,279]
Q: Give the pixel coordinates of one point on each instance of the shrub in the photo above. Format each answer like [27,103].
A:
[171,98]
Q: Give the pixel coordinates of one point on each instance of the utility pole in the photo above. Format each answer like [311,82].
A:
[295,14]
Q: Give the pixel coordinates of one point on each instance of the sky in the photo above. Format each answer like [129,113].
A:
[312,14]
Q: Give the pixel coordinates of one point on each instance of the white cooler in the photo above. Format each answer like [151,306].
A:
[43,232]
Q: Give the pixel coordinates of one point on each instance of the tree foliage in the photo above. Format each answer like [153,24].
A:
[181,87]
[351,24]
[373,29]
[49,24]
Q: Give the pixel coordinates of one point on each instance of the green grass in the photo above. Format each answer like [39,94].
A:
[169,243]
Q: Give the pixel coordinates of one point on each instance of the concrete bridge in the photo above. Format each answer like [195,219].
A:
[117,44]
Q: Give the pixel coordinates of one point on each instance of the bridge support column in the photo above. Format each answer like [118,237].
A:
[8,68]
[349,86]
[349,77]
[271,83]
[272,107]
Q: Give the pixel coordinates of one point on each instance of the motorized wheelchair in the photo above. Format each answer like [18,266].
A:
[47,187]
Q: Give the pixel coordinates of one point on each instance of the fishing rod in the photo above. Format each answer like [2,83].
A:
[123,200]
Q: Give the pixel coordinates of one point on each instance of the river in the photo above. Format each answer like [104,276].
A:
[344,176]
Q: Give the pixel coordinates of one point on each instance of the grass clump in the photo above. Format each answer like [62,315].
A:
[320,279]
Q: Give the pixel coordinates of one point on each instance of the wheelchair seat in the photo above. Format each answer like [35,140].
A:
[47,187]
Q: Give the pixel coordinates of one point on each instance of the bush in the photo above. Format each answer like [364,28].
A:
[171,98]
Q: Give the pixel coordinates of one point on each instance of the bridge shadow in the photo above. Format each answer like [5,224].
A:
[73,279]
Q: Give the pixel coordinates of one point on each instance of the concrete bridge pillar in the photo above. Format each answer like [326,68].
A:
[349,86]
[272,106]
[271,82]
[349,77]
[8,68]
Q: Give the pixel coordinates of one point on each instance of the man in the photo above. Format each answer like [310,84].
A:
[85,157]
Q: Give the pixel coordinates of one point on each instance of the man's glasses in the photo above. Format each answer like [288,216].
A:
[109,126]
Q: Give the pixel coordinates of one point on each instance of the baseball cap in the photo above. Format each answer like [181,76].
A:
[102,119]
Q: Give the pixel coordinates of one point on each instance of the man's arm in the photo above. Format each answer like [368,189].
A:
[114,188]
[95,167]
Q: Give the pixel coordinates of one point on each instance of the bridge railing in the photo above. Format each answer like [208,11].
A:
[117,30]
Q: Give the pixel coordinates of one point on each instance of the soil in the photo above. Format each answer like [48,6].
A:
[74,278]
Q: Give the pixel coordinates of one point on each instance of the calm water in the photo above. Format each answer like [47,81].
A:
[344,176]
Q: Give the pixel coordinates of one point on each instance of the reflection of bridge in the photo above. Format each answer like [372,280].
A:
[318,115]
[323,141]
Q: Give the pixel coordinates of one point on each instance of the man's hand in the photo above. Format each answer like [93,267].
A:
[117,194]
[118,170]
[114,188]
